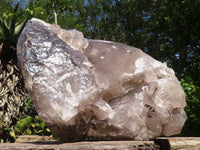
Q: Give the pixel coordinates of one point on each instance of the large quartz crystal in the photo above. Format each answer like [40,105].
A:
[92,88]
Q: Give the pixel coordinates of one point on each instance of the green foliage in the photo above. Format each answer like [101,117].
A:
[31,126]
[5,133]
[5,6]
[10,28]
[66,11]
[175,26]
[193,106]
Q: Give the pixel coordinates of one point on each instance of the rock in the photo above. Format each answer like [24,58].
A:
[92,88]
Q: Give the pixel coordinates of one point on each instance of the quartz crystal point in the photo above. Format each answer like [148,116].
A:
[92,88]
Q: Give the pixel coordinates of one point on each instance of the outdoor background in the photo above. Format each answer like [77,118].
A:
[167,30]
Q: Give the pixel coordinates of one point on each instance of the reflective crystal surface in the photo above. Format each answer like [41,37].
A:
[92,88]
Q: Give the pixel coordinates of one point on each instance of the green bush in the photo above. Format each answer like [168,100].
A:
[30,126]
[192,125]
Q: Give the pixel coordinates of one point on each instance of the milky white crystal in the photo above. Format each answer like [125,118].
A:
[96,88]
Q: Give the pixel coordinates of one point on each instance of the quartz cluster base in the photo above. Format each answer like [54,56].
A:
[93,88]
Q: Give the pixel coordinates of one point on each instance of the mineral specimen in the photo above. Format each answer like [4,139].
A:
[92,88]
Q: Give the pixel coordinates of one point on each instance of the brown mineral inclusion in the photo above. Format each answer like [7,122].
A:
[93,88]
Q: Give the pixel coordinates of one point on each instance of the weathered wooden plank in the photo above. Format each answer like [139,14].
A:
[43,142]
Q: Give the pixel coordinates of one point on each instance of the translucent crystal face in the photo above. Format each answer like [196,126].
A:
[97,88]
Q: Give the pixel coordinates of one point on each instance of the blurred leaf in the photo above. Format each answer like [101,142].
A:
[1,140]
[37,119]
[29,132]
[42,125]
[47,129]
[23,124]
[33,125]
[12,133]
